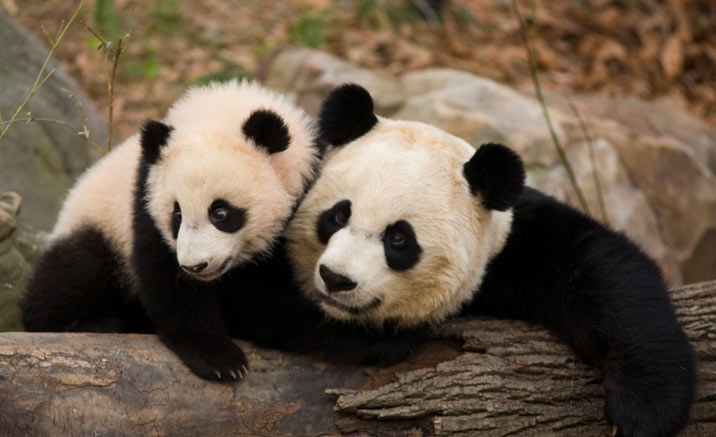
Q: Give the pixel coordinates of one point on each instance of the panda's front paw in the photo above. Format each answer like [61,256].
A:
[214,359]
[635,407]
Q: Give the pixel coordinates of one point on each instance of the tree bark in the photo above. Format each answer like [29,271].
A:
[491,377]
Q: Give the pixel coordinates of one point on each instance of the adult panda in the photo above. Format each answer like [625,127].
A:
[147,234]
[408,225]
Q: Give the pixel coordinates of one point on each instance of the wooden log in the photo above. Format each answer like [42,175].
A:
[500,378]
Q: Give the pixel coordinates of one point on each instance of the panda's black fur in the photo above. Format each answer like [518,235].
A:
[79,289]
[591,286]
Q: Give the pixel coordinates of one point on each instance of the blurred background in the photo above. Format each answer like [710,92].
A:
[656,50]
[630,86]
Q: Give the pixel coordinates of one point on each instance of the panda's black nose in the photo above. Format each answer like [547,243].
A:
[335,281]
[195,268]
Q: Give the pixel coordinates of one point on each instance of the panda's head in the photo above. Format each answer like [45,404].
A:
[403,219]
[225,170]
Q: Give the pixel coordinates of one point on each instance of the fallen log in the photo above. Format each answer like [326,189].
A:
[499,378]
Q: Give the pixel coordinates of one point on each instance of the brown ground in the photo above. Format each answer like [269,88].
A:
[655,50]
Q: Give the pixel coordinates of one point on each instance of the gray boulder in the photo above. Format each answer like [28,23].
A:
[19,247]
[41,160]
[655,165]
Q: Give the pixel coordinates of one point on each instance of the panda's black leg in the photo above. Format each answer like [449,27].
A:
[190,323]
[649,370]
[185,313]
[626,324]
[74,287]
[647,400]
[617,314]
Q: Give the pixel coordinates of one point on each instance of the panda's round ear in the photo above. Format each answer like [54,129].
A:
[268,130]
[153,137]
[346,114]
[495,172]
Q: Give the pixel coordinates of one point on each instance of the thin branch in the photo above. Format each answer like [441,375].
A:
[85,122]
[431,17]
[84,133]
[532,59]
[110,51]
[41,77]
[110,90]
[592,158]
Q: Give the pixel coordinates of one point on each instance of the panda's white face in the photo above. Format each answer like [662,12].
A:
[391,231]
[215,209]
[225,173]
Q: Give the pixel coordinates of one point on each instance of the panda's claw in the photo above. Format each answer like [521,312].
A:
[214,360]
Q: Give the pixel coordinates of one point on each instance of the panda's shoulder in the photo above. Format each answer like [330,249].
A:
[543,224]
[536,211]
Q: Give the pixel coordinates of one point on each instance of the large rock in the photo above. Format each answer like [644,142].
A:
[41,159]
[19,246]
[654,166]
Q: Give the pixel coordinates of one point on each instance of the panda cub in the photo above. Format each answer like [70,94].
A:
[146,234]
[408,225]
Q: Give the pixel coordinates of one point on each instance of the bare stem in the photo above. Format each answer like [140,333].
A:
[113,53]
[532,59]
[30,119]
[42,75]
[592,159]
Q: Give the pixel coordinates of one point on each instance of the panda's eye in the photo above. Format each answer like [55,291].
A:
[401,247]
[332,220]
[227,217]
[219,215]
[340,218]
[398,239]
[176,220]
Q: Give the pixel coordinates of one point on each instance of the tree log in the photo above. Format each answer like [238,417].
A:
[500,378]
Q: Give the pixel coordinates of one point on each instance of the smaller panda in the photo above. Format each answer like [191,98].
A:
[408,225]
[146,234]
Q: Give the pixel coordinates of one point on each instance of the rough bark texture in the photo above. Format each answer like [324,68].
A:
[509,379]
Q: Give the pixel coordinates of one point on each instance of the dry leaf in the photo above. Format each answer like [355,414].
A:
[672,57]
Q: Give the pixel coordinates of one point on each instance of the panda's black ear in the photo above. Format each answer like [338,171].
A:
[346,114]
[268,130]
[497,173]
[154,136]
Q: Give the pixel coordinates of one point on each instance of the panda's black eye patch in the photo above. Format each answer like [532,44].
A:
[401,247]
[226,217]
[333,219]
[176,220]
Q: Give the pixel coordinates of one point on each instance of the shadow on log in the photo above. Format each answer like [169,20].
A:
[509,378]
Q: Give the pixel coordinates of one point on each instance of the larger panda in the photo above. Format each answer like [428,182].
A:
[146,235]
[408,225]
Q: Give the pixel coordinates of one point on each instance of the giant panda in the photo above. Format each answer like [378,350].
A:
[145,236]
[408,225]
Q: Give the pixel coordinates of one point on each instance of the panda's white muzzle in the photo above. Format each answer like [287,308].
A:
[201,252]
[349,274]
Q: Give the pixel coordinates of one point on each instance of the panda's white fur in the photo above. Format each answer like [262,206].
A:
[211,159]
[458,235]
[207,157]
[103,198]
